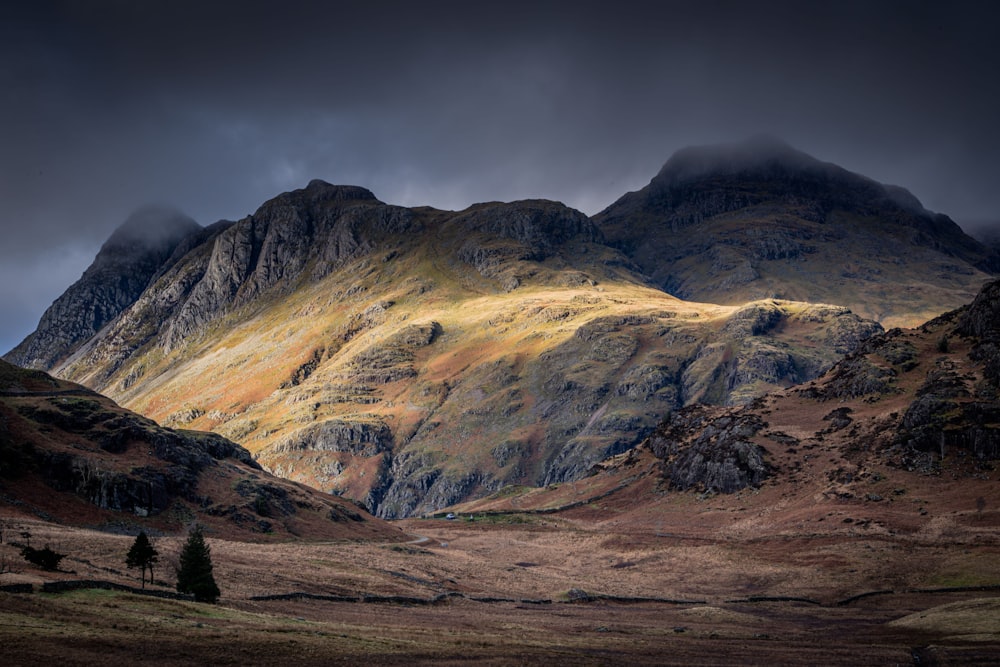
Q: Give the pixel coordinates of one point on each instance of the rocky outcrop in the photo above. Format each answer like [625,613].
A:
[982,318]
[416,483]
[955,411]
[361,438]
[122,270]
[539,226]
[710,451]
[496,237]
[751,356]
[318,229]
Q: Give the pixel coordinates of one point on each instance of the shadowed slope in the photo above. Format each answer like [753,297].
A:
[70,455]
[120,272]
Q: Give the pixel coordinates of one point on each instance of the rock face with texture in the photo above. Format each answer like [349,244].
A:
[317,229]
[711,453]
[922,400]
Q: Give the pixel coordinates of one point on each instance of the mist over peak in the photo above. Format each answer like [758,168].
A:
[152,225]
[759,152]
[769,157]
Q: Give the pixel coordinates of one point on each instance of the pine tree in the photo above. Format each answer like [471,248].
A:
[142,555]
[194,575]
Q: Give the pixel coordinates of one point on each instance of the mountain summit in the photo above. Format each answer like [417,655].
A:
[759,219]
[757,154]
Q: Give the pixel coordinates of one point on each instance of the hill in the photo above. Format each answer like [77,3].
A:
[73,456]
[901,438]
[735,223]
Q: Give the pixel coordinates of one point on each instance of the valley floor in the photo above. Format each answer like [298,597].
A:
[101,627]
[591,586]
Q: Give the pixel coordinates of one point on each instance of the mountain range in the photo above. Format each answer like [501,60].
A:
[412,358]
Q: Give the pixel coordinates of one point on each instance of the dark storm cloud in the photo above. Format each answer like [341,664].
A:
[216,106]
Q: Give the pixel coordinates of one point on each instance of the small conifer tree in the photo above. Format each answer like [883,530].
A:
[142,555]
[194,575]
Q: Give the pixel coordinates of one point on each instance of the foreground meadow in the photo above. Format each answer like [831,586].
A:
[593,586]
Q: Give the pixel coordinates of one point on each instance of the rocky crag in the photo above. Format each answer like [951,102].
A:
[919,400]
[122,270]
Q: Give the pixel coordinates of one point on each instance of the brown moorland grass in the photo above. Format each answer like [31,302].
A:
[678,579]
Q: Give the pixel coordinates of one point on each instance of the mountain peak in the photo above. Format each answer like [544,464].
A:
[767,157]
[760,152]
[122,269]
[319,188]
[151,226]
[731,223]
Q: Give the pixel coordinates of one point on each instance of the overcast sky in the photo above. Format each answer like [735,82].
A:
[214,107]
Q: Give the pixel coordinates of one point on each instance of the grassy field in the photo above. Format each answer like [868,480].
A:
[676,582]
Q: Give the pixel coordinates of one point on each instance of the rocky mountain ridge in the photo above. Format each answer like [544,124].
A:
[122,270]
[411,357]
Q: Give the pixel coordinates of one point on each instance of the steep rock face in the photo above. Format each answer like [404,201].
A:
[320,227]
[982,318]
[735,223]
[122,270]
[505,241]
[955,410]
[710,450]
